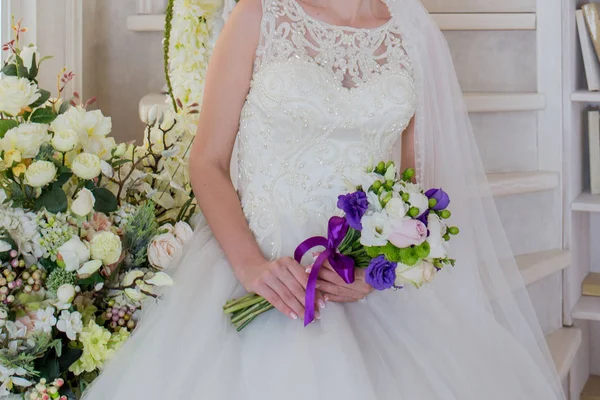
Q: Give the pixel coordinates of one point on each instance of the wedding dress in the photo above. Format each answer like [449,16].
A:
[325,99]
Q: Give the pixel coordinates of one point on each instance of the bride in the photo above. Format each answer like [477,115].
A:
[312,89]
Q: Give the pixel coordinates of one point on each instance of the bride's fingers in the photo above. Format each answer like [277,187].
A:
[290,281]
[273,298]
[286,295]
[341,299]
[340,291]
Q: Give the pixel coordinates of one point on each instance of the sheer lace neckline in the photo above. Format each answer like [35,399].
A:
[302,11]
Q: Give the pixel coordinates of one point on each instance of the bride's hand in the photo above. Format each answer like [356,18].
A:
[335,289]
[283,283]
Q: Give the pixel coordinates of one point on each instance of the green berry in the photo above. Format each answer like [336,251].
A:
[376,186]
[453,230]
[446,237]
[445,214]
[432,203]
[413,212]
[380,168]
[405,196]
[389,185]
[408,174]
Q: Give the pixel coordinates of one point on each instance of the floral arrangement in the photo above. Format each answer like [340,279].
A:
[190,31]
[87,227]
[390,226]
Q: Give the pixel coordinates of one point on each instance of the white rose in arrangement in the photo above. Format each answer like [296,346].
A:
[163,249]
[27,54]
[89,268]
[396,208]
[27,138]
[106,247]
[66,293]
[437,230]
[87,166]
[65,140]
[40,173]
[376,229]
[74,253]
[92,129]
[106,169]
[417,275]
[183,232]
[16,94]
[83,203]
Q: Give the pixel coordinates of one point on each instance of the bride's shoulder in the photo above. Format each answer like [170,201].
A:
[249,10]
[243,24]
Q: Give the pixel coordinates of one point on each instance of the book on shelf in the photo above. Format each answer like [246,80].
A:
[590,60]
[591,12]
[594,150]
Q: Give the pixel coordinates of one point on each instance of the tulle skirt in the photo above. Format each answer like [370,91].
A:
[401,345]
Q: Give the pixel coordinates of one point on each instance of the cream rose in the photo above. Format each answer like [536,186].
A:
[84,203]
[27,138]
[163,249]
[16,94]
[183,232]
[74,253]
[65,140]
[40,173]
[106,247]
[417,275]
[87,166]
[66,293]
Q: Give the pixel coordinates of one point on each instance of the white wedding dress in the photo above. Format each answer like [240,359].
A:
[324,99]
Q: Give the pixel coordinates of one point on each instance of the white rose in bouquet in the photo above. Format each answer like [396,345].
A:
[106,247]
[417,275]
[437,230]
[16,94]
[87,166]
[416,198]
[376,229]
[74,253]
[163,249]
[27,138]
[83,203]
[65,140]
[40,173]
[27,54]
[396,208]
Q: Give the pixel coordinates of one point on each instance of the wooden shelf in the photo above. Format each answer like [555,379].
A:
[515,183]
[502,102]
[563,345]
[536,266]
[587,308]
[591,391]
[485,22]
[585,96]
[586,202]
[447,22]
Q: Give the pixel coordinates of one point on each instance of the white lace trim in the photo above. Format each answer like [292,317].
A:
[351,55]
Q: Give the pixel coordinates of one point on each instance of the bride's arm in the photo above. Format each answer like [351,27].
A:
[408,147]
[227,83]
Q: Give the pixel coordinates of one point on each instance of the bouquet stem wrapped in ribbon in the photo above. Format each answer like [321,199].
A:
[391,227]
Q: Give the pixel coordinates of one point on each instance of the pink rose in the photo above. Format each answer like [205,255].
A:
[407,232]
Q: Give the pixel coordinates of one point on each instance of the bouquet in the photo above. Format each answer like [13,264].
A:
[390,226]
[87,227]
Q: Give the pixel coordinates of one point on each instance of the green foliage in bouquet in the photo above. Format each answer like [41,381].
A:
[86,226]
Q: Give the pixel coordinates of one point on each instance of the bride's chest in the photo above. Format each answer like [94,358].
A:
[298,96]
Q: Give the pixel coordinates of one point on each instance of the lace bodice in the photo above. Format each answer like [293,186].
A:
[324,99]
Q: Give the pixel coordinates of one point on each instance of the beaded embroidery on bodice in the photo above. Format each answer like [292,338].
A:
[324,100]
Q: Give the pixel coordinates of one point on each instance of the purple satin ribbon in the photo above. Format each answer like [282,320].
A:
[343,265]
